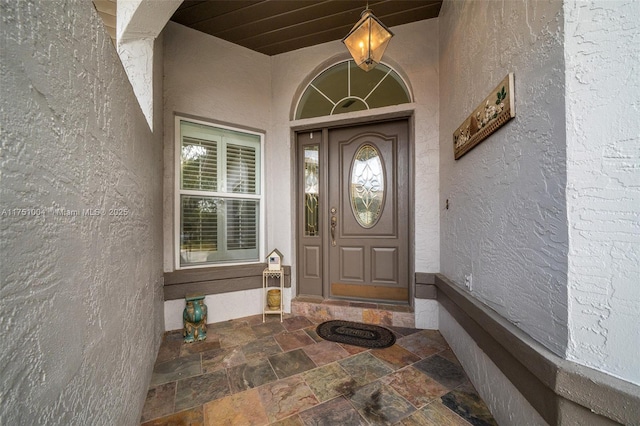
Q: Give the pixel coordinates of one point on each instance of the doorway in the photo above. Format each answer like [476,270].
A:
[353,212]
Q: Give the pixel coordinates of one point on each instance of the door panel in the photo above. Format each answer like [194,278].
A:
[385,264]
[368,199]
[310,234]
[352,264]
[311,262]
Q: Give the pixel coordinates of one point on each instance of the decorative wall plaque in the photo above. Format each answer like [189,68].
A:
[489,116]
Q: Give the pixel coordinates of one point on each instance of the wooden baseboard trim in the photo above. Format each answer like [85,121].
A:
[425,286]
[561,391]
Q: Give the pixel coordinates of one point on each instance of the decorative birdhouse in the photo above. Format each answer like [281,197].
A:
[274,260]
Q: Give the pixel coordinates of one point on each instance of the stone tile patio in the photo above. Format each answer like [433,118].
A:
[253,373]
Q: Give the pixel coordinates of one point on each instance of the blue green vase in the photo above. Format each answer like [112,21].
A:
[195,318]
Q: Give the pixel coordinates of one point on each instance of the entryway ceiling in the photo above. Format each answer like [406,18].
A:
[277,26]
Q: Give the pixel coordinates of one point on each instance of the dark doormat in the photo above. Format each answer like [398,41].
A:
[356,333]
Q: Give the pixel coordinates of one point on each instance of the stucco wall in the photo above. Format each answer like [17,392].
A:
[211,79]
[602,48]
[81,296]
[506,222]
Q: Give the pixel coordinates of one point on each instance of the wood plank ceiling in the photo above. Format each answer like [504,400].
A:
[107,9]
[277,26]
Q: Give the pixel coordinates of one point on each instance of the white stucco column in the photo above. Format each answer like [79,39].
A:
[602,47]
[139,22]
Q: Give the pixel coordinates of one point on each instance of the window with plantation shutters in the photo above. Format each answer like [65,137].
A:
[220,201]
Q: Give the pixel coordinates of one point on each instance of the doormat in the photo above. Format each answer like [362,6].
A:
[357,334]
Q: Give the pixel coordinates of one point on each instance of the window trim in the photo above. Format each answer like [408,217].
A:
[177,192]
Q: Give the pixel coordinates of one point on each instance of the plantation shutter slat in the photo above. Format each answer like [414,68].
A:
[241,169]
[199,164]
[199,223]
[242,224]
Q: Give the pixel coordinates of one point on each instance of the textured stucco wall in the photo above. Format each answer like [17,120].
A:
[211,79]
[602,54]
[81,296]
[506,222]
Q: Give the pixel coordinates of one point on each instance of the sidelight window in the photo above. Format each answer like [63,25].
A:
[311,193]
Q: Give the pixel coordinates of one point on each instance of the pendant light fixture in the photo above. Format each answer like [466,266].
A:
[367,40]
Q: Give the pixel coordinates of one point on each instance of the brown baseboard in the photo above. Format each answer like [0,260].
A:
[561,391]
[425,286]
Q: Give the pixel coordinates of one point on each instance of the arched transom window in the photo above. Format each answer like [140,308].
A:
[345,88]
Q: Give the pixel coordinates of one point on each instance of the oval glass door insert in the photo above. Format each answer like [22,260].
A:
[367,185]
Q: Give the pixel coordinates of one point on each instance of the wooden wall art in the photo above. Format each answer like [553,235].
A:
[489,116]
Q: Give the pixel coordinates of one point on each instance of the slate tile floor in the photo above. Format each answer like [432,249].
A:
[253,373]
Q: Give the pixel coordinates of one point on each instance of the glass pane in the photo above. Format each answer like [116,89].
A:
[379,40]
[391,91]
[333,83]
[311,194]
[356,42]
[349,105]
[367,186]
[198,228]
[199,164]
[313,104]
[363,82]
[242,225]
[241,169]
[215,229]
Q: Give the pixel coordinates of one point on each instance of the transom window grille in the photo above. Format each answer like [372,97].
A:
[345,87]
[219,197]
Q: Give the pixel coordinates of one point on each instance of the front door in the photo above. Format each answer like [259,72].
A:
[362,201]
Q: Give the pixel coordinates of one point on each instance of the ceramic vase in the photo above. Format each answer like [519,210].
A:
[195,319]
[273,300]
